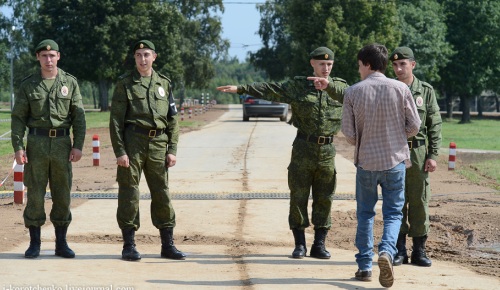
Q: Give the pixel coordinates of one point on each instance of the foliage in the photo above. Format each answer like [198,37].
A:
[423,30]
[474,32]
[455,42]
[289,32]
[95,36]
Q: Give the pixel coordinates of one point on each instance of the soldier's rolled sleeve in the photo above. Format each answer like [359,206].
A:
[173,134]
[434,123]
[19,119]
[78,119]
[117,119]
[336,90]
[240,90]
[276,92]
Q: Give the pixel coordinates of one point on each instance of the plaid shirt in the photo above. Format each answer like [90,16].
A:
[379,115]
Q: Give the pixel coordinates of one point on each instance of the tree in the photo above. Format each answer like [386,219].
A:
[474,32]
[423,30]
[290,29]
[96,36]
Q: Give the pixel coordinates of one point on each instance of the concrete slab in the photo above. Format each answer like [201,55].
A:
[263,261]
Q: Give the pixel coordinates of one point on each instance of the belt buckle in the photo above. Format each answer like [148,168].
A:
[410,144]
[52,133]
[152,133]
[321,140]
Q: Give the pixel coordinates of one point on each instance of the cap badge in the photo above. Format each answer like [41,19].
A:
[64,91]
[48,47]
[326,55]
[396,56]
[141,45]
[161,91]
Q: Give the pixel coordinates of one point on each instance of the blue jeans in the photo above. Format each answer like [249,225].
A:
[392,182]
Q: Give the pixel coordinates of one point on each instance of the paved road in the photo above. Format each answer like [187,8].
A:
[231,243]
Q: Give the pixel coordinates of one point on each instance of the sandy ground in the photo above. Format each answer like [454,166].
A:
[464,216]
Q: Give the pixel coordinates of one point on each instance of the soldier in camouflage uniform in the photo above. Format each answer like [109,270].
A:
[424,150]
[144,133]
[317,109]
[49,104]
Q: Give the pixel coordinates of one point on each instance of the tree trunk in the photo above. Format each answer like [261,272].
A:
[479,107]
[103,95]
[95,93]
[182,96]
[449,105]
[498,105]
[465,105]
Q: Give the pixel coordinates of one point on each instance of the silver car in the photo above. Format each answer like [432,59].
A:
[253,107]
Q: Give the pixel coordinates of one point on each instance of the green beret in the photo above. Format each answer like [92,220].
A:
[47,44]
[322,53]
[144,44]
[402,53]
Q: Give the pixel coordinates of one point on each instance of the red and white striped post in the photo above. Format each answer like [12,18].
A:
[96,156]
[19,196]
[452,156]
[182,114]
[190,112]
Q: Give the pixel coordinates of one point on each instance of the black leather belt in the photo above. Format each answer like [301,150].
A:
[53,133]
[321,140]
[415,143]
[151,133]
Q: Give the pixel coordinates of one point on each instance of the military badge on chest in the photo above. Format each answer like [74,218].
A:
[161,91]
[419,101]
[64,91]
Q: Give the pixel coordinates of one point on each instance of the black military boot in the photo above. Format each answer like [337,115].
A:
[62,249]
[418,255]
[33,250]
[300,244]
[168,250]
[318,248]
[401,257]
[129,252]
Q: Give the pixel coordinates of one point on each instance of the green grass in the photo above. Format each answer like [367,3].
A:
[480,134]
[97,119]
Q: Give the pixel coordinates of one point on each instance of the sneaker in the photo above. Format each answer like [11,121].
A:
[363,275]
[386,277]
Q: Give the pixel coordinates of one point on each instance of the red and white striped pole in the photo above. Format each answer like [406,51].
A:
[96,156]
[19,196]
[452,155]
[190,112]
[182,114]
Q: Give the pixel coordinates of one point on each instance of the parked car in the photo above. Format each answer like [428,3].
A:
[253,107]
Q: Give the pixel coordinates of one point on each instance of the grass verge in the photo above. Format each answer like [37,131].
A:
[480,168]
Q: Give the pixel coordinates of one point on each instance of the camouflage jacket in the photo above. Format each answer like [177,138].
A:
[145,104]
[37,107]
[314,112]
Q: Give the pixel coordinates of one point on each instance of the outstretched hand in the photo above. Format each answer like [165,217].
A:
[319,83]
[227,89]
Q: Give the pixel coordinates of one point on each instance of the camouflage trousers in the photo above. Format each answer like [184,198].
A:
[146,155]
[415,220]
[311,169]
[48,163]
